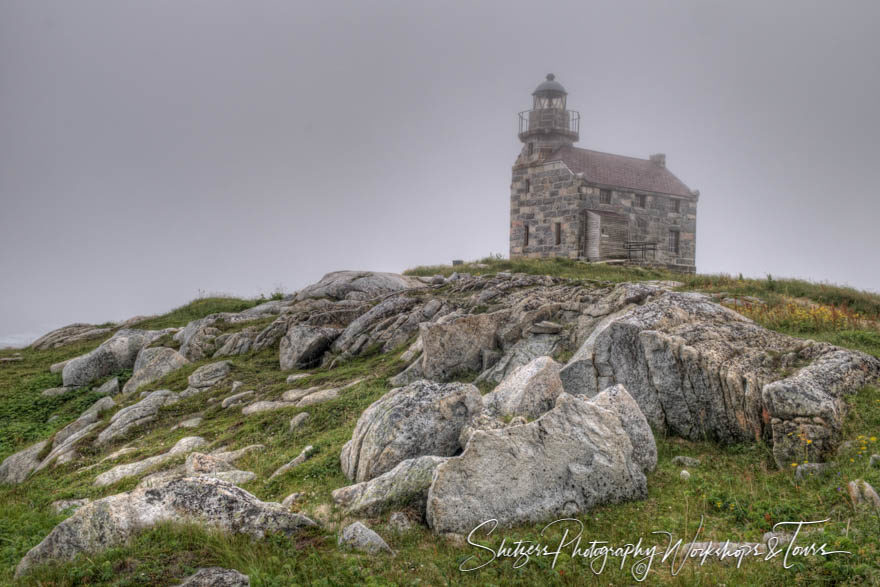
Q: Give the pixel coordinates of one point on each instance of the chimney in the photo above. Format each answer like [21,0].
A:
[658,159]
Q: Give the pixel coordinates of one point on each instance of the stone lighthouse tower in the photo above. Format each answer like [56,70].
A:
[577,203]
[548,125]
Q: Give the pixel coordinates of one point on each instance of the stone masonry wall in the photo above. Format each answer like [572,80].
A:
[555,195]
[551,197]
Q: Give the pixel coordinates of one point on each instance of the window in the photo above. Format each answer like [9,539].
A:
[531,148]
[604,196]
[526,235]
[676,206]
[528,186]
[673,241]
[557,231]
[640,200]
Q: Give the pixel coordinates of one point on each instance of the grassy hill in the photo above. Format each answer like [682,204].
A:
[737,491]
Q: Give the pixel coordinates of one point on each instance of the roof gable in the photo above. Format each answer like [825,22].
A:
[620,171]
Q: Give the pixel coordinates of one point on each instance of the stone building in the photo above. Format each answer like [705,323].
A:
[571,202]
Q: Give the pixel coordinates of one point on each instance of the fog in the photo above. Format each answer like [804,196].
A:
[152,152]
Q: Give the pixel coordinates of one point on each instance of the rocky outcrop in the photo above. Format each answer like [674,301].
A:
[136,415]
[302,346]
[203,338]
[573,458]
[113,520]
[61,447]
[236,343]
[699,370]
[112,356]
[380,325]
[454,347]
[68,335]
[151,365]
[528,391]
[423,418]
[216,577]
[521,353]
[406,485]
[119,472]
[65,440]
[357,285]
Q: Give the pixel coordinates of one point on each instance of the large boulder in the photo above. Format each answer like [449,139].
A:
[151,365]
[69,335]
[573,458]
[528,391]
[423,418]
[16,467]
[699,370]
[457,346]
[113,520]
[136,415]
[209,375]
[406,485]
[303,345]
[358,537]
[357,285]
[115,354]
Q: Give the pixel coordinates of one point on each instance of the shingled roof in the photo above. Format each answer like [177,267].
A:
[620,171]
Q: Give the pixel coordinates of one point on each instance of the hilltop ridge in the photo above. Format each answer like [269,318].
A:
[392,399]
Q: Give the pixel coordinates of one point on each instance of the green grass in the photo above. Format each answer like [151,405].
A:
[196,309]
[737,490]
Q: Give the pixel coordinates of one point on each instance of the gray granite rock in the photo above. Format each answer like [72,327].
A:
[573,458]
[423,418]
[358,537]
[405,485]
[68,335]
[357,285]
[16,467]
[63,505]
[216,577]
[302,457]
[237,399]
[528,391]
[683,461]
[302,346]
[298,421]
[137,415]
[119,472]
[114,355]
[109,387]
[151,365]
[209,375]
[699,370]
[111,521]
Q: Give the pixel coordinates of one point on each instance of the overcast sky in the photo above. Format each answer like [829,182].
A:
[154,150]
